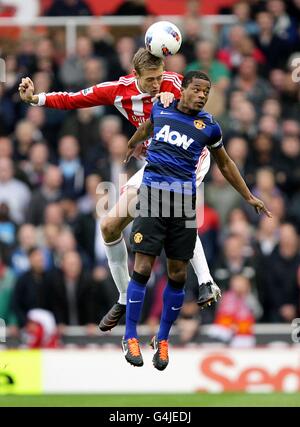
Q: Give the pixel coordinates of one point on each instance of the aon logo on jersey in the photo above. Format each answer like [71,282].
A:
[173,137]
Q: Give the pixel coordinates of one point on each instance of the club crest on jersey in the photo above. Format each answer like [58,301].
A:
[138,237]
[173,137]
[87,91]
[199,124]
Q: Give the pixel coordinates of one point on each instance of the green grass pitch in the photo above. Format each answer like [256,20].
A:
[155,400]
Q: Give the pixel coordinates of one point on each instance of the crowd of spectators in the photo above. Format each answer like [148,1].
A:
[51,163]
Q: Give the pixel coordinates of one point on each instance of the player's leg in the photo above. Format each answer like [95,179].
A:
[179,247]
[173,297]
[208,289]
[147,237]
[111,227]
[135,299]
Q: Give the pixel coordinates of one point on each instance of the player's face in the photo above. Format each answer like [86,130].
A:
[149,81]
[196,94]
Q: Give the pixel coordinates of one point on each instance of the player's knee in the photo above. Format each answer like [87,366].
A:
[143,267]
[109,230]
[178,275]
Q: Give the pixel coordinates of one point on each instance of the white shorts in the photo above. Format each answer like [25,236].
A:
[201,170]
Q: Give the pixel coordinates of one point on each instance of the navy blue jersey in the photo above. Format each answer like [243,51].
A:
[177,142]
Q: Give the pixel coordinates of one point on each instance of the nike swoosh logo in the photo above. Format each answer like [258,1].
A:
[162,112]
[176,308]
[130,300]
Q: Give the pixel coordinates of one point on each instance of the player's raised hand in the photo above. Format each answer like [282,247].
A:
[259,206]
[139,152]
[128,155]
[26,90]
[166,98]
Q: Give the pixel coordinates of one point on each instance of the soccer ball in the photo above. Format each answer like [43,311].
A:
[162,39]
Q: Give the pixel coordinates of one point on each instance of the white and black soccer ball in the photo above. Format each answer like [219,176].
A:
[162,39]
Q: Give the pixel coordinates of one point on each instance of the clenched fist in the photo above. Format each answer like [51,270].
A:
[26,91]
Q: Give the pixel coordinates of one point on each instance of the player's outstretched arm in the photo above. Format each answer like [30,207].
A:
[142,133]
[102,94]
[231,173]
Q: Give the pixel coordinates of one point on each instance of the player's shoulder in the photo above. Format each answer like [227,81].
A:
[128,80]
[171,78]
[122,81]
[209,118]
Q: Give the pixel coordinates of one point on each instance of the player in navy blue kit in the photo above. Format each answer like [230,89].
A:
[166,204]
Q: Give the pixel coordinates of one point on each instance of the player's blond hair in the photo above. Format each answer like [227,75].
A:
[144,60]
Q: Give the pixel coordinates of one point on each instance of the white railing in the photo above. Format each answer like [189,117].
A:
[72,23]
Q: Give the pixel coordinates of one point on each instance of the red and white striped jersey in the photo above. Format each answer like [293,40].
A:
[124,94]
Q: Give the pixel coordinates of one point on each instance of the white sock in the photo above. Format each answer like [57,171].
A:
[199,264]
[117,257]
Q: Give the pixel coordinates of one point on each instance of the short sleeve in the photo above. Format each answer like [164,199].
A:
[215,140]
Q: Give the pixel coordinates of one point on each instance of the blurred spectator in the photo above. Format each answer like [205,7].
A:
[262,154]
[242,46]
[94,72]
[125,48]
[115,171]
[285,26]
[243,122]
[275,49]
[265,188]
[49,192]
[239,45]
[270,126]
[72,293]
[31,290]
[220,195]
[108,126]
[288,165]
[72,70]
[36,166]
[248,81]
[83,124]
[69,8]
[26,134]
[27,239]
[267,235]
[86,204]
[40,329]
[71,167]
[176,63]
[7,226]
[6,147]
[54,215]
[242,12]
[238,150]
[7,283]
[205,61]
[236,313]
[192,33]
[233,261]
[277,278]
[13,192]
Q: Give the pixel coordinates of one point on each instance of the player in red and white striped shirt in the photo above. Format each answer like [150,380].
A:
[133,96]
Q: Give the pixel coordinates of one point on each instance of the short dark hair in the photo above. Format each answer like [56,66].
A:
[188,77]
